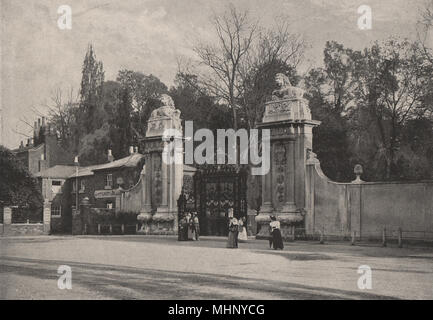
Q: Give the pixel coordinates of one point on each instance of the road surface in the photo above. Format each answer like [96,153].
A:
[159,267]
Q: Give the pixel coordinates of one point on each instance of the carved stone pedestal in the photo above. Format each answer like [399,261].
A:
[145,218]
[163,151]
[163,221]
[288,118]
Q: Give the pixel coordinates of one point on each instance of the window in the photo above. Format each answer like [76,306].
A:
[109,181]
[109,205]
[56,186]
[82,185]
[56,210]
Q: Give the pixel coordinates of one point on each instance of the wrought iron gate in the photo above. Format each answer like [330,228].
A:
[215,190]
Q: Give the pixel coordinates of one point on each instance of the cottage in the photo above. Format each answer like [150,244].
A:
[65,186]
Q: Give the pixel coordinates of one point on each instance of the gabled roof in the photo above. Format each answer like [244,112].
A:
[84,171]
[129,161]
[65,172]
[56,172]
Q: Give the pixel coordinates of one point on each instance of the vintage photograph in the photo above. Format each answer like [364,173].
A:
[196,150]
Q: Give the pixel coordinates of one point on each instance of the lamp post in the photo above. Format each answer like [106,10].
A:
[76,182]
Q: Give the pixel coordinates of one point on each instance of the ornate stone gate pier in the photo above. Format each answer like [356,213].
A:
[288,117]
[163,180]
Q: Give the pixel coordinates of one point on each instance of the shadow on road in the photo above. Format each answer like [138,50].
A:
[118,282]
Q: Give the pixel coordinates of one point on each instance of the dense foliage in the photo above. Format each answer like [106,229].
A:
[17,186]
[375,104]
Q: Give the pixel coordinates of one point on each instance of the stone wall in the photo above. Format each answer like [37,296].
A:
[338,209]
[132,199]
[23,229]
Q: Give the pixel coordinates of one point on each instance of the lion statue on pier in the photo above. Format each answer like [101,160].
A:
[285,89]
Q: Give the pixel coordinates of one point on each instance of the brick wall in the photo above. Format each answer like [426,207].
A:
[130,177]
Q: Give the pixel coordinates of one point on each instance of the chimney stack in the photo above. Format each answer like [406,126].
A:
[136,150]
[110,156]
[43,121]
[36,129]
[21,144]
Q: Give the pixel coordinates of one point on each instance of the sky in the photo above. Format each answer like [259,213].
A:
[151,35]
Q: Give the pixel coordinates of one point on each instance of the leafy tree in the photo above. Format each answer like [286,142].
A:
[144,91]
[17,186]
[366,100]
[258,86]
[196,105]
[330,95]
[392,82]
[121,127]
[91,91]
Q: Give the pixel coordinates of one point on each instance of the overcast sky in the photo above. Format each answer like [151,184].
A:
[148,36]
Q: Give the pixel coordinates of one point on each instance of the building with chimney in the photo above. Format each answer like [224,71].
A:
[63,186]
[43,151]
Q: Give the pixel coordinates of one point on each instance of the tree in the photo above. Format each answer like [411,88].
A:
[196,105]
[330,95]
[258,86]
[63,117]
[91,92]
[243,48]
[17,186]
[121,129]
[144,91]
[425,30]
[235,34]
[392,81]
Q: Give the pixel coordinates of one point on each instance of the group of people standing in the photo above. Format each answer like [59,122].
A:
[189,227]
[238,232]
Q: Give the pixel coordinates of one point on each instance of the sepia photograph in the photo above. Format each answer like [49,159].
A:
[219,156]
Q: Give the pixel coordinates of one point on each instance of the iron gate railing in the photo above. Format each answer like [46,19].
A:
[213,191]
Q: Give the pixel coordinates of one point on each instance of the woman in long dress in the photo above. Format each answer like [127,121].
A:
[242,230]
[232,241]
[191,233]
[196,226]
[277,240]
[183,232]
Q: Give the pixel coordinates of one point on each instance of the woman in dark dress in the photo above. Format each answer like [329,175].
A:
[232,241]
[183,229]
[277,240]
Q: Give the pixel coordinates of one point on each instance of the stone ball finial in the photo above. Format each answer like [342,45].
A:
[358,172]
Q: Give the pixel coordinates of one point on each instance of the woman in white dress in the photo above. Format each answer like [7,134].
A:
[242,236]
[276,241]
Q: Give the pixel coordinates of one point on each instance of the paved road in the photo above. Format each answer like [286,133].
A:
[149,267]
